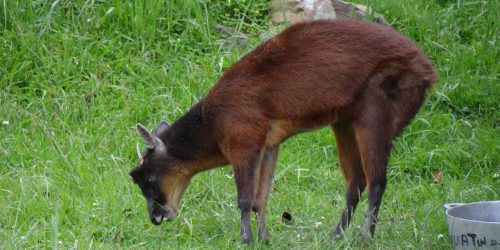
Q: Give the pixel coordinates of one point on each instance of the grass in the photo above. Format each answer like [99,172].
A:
[76,76]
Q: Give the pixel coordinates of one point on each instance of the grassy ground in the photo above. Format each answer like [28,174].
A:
[76,76]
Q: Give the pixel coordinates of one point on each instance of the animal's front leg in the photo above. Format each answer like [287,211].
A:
[243,146]
[268,164]
[245,173]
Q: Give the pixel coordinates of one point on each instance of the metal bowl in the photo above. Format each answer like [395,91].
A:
[474,225]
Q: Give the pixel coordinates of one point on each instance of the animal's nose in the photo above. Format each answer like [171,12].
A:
[156,220]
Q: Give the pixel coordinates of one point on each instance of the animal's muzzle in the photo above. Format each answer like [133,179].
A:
[157,220]
[158,213]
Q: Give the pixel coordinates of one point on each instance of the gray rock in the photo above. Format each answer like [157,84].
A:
[293,11]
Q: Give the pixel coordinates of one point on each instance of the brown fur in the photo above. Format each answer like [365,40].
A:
[365,80]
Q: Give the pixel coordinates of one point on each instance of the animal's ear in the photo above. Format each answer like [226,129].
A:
[152,142]
[147,136]
[162,128]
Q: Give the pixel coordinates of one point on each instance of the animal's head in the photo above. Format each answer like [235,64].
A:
[161,178]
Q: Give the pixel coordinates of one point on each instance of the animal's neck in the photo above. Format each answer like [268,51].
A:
[191,141]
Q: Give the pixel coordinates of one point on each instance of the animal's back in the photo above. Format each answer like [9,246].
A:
[314,67]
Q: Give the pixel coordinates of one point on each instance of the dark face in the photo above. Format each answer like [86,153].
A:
[161,183]
[149,179]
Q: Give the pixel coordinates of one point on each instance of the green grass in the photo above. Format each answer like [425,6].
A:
[76,76]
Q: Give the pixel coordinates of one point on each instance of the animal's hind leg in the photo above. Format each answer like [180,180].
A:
[374,134]
[350,163]
[267,167]
[384,112]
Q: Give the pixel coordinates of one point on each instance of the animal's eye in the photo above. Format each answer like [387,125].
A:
[151,179]
[151,192]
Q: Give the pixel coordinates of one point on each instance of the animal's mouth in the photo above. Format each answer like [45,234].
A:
[166,214]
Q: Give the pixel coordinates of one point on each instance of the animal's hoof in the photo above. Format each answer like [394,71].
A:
[247,240]
[337,233]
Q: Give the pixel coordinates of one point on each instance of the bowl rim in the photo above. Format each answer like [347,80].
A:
[472,204]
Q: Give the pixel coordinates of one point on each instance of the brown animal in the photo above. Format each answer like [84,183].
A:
[365,80]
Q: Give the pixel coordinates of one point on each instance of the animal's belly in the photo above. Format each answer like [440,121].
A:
[282,129]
